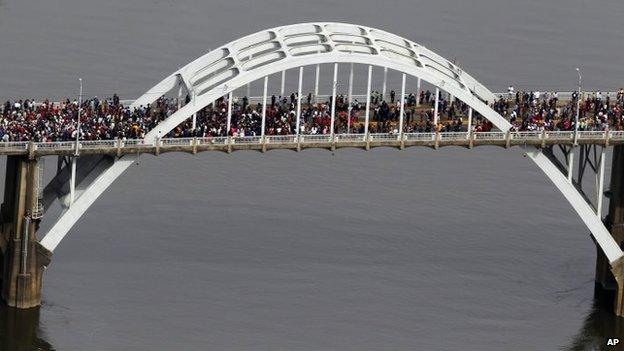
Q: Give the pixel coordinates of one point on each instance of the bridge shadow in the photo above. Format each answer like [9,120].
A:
[19,330]
[599,326]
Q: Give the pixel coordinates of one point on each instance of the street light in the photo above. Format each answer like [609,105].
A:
[72,180]
[78,119]
[578,106]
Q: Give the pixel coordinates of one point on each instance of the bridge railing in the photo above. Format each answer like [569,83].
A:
[420,136]
[14,146]
[212,141]
[56,145]
[97,144]
[177,141]
[316,138]
[281,139]
[592,135]
[383,137]
[528,136]
[350,137]
[532,135]
[560,135]
[616,134]
[136,143]
[490,136]
[451,136]
[246,140]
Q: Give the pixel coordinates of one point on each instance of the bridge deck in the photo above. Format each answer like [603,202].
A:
[228,144]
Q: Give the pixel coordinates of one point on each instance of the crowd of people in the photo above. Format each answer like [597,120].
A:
[281,116]
[106,119]
[544,111]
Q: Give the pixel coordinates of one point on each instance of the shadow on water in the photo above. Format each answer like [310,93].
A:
[599,326]
[19,330]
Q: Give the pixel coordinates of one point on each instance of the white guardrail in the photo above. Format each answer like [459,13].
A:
[561,136]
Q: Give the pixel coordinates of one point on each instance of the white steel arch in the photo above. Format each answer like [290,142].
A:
[253,57]
[261,51]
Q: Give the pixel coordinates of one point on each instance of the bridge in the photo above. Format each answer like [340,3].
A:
[86,168]
[228,144]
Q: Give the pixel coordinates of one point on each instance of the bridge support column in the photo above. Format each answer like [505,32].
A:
[418,87]
[469,121]
[368,104]
[316,83]
[385,84]
[618,300]
[436,117]
[23,258]
[610,277]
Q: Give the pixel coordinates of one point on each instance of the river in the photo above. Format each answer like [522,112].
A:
[403,250]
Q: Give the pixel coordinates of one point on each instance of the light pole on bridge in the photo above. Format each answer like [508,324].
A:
[578,107]
[78,118]
[72,180]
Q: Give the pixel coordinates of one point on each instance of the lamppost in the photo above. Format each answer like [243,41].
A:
[578,107]
[72,180]
[78,118]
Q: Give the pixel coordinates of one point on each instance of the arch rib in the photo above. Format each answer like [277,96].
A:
[230,67]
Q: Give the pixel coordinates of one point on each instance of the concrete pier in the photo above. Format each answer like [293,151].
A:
[23,259]
[21,328]
[610,277]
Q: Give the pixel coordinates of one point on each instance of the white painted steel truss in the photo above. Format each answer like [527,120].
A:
[276,50]
[591,159]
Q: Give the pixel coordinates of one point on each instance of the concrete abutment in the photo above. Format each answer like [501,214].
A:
[609,287]
[23,258]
